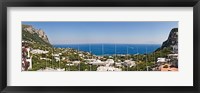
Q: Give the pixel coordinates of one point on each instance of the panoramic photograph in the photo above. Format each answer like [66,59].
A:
[49,46]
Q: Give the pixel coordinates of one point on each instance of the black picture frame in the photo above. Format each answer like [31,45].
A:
[98,3]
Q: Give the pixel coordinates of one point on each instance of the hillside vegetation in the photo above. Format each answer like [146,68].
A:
[33,37]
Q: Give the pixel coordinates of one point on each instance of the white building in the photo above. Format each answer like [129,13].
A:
[173,56]
[69,64]
[38,51]
[96,62]
[107,68]
[50,69]
[161,60]
[30,62]
[173,59]
[45,59]
[118,64]
[129,63]
[76,62]
[56,57]
[109,62]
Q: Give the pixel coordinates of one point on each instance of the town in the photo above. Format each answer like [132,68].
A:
[68,59]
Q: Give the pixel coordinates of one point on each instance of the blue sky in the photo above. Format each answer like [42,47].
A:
[106,32]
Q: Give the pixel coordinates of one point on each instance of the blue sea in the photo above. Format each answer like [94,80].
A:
[111,49]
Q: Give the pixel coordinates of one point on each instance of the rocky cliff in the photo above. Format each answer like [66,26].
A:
[32,30]
[29,33]
[172,41]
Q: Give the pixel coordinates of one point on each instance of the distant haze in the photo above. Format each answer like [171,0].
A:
[106,32]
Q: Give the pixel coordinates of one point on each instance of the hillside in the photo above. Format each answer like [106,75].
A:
[34,35]
[172,41]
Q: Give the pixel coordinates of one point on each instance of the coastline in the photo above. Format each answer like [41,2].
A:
[108,49]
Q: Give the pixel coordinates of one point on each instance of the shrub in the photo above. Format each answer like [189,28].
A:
[166,66]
